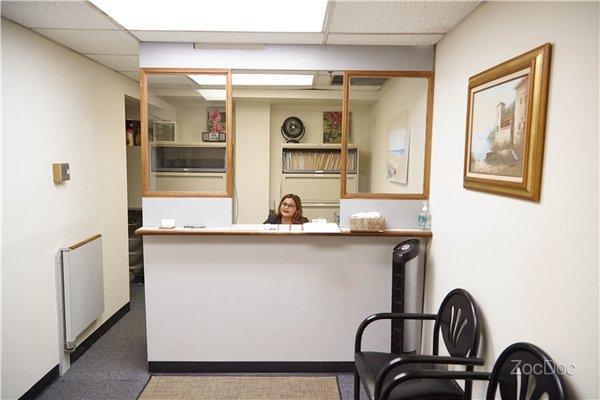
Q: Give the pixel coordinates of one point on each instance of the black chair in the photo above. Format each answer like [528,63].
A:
[458,320]
[523,371]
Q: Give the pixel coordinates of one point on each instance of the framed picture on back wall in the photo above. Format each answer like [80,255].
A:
[506,123]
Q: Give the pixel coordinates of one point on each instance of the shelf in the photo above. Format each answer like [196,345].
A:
[324,159]
[315,146]
[315,172]
[197,144]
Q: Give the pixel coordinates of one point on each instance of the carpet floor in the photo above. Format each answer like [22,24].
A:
[115,367]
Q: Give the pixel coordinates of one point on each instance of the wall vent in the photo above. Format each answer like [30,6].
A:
[338,80]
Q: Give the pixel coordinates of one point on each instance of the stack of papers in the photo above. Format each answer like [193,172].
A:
[310,227]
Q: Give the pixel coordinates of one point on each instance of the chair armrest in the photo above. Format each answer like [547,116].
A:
[375,317]
[415,359]
[405,376]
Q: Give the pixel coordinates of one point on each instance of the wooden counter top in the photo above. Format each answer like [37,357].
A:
[242,231]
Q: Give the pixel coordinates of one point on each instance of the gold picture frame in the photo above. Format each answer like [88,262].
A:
[506,124]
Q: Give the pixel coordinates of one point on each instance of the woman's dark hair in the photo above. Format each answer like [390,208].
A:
[297,218]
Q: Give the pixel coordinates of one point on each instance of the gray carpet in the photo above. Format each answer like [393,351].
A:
[115,366]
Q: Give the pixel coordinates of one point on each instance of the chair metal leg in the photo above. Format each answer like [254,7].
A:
[356,385]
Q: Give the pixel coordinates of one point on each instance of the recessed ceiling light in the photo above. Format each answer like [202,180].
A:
[212,94]
[217,16]
[255,79]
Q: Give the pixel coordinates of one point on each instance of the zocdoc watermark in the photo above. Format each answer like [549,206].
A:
[546,368]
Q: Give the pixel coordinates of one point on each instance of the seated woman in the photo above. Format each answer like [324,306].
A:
[288,212]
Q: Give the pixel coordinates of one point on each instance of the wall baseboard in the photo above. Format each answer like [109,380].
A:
[97,334]
[252,366]
[42,384]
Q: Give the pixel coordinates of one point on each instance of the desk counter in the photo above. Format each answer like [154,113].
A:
[258,230]
[265,302]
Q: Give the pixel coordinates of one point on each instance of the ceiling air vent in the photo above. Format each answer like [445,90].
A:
[338,80]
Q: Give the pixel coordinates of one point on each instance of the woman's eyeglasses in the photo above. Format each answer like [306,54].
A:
[288,205]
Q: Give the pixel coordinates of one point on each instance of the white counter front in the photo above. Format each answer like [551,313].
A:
[265,298]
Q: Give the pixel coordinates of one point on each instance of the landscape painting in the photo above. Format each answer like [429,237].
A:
[498,129]
[506,126]
[398,151]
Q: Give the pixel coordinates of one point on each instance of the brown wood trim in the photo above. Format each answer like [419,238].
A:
[144,72]
[183,71]
[186,194]
[394,74]
[209,232]
[229,174]
[344,147]
[428,135]
[386,196]
[144,142]
[86,241]
[424,195]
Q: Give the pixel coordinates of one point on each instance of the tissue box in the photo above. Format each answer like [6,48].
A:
[367,224]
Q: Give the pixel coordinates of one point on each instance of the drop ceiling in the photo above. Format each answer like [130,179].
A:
[82,27]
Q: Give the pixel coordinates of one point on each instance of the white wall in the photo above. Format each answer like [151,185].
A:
[58,106]
[289,57]
[402,100]
[532,267]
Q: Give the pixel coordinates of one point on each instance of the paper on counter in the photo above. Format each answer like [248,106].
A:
[319,227]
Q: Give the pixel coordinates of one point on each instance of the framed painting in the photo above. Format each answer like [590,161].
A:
[506,123]
[332,126]
[216,120]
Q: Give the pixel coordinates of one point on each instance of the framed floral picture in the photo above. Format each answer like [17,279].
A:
[216,120]
[506,121]
[332,126]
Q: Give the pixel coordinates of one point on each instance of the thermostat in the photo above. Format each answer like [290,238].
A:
[60,172]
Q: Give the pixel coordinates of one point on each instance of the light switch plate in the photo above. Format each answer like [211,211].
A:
[60,172]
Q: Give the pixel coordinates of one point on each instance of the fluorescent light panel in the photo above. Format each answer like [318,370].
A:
[217,16]
[255,80]
[271,80]
[209,79]
[212,94]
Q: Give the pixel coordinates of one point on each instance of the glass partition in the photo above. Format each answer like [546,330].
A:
[388,118]
[188,136]
[287,135]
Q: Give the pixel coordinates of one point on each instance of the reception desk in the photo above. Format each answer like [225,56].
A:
[243,300]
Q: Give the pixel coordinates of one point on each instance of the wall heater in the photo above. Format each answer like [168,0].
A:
[81,287]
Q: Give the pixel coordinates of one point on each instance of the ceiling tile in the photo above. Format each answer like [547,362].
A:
[398,16]
[56,14]
[171,80]
[383,40]
[133,75]
[94,41]
[229,37]
[117,62]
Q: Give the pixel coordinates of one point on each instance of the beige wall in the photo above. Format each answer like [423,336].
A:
[191,121]
[401,99]
[251,181]
[1,221]
[532,267]
[79,118]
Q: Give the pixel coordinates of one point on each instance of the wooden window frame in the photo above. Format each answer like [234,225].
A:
[146,192]
[429,75]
